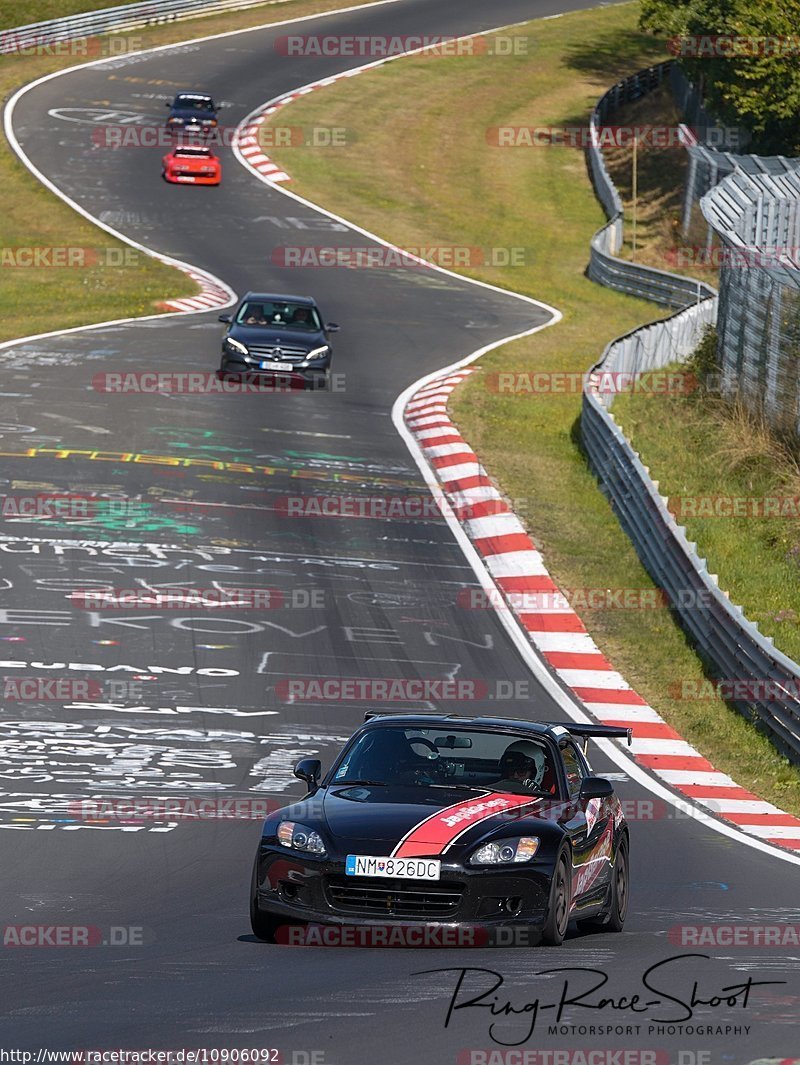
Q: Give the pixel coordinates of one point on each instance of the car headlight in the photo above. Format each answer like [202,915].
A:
[235,345]
[318,353]
[299,838]
[174,121]
[506,851]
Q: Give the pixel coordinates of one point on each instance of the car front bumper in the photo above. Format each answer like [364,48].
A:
[315,372]
[319,891]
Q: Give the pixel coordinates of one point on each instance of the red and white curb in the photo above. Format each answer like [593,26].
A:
[555,630]
[249,138]
[212,293]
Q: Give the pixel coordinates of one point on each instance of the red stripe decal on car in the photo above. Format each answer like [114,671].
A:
[439,831]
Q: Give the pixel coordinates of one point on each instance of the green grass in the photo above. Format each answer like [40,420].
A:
[12,13]
[698,448]
[426,175]
[38,299]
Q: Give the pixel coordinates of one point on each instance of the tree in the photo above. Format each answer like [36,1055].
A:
[746,56]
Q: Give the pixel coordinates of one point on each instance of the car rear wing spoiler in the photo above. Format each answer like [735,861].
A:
[600,732]
[368,716]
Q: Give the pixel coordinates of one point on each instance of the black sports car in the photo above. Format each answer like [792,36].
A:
[449,821]
[277,335]
[192,112]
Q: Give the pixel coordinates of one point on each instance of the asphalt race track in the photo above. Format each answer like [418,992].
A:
[360,598]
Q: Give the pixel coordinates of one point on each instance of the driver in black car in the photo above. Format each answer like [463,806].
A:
[390,756]
[522,768]
[255,315]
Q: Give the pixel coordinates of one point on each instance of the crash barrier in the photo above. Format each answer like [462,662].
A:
[605,268]
[757,219]
[708,162]
[38,35]
[730,645]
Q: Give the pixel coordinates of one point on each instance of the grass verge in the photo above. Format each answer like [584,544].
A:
[36,299]
[426,176]
[705,452]
[14,14]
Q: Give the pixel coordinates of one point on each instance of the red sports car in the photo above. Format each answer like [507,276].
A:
[192,164]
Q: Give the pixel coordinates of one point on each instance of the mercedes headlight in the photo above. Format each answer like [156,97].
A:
[318,353]
[299,838]
[235,345]
[506,851]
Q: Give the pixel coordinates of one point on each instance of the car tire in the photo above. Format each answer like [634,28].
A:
[555,928]
[614,919]
[264,925]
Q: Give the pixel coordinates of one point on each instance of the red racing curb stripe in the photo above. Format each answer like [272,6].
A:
[534,583]
[555,622]
[648,730]
[708,791]
[486,508]
[461,459]
[694,762]
[461,484]
[436,441]
[498,545]
[610,695]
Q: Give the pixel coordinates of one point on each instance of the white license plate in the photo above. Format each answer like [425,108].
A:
[410,868]
[268,365]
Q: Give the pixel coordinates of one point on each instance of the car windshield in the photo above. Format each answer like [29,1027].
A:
[279,315]
[195,153]
[497,761]
[194,103]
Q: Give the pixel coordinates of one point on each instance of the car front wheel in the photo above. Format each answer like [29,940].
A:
[555,928]
[264,925]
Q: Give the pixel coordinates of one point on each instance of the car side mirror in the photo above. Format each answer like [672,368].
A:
[224,318]
[167,103]
[332,327]
[596,788]
[309,770]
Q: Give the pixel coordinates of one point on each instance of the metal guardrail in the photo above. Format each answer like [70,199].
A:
[757,218]
[115,20]
[731,646]
[605,268]
[708,162]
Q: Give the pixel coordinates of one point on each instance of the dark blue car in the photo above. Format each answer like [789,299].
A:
[282,336]
[192,112]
